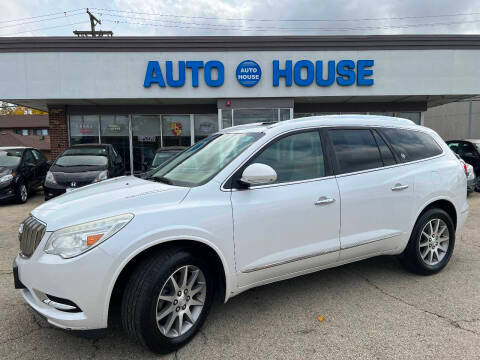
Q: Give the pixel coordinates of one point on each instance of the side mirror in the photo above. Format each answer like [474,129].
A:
[258,174]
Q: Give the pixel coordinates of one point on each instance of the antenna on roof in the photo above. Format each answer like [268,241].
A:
[93,33]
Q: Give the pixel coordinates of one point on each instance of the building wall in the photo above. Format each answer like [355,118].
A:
[451,120]
[58,131]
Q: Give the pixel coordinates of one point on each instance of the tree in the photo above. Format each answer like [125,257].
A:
[11,109]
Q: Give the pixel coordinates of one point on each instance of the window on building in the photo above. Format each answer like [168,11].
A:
[355,150]
[114,130]
[23,132]
[146,140]
[205,125]
[412,145]
[296,157]
[176,130]
[84,129]
[41,132]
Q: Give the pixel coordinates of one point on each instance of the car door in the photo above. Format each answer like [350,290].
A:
[29,169]
[376,193]
[291,225]
[41,167]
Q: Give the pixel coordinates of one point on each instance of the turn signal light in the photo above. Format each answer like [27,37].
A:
[92,239]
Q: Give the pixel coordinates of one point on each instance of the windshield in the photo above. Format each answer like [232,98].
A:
[198,164]
[81,160]
[477,145]
[10,158]
[86,151]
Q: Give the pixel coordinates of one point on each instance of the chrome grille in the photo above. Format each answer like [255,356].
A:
[33,231]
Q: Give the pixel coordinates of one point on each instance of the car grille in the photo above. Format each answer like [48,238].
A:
[32,232]
[75,179]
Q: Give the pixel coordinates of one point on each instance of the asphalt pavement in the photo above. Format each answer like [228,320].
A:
[373,309]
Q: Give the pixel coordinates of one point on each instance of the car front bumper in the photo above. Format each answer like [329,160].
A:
[51,192]
[7,191]
[82,281]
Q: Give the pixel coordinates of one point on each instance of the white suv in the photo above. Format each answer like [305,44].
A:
[247,206]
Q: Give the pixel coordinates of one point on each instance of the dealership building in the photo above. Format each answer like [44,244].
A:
[144,93]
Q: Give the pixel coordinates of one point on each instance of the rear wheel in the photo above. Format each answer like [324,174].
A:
[167,300]
[431,243]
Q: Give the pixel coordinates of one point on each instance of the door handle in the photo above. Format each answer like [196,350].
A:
[399,187]
[323,200]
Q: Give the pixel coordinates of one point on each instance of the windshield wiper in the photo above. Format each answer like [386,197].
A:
[161,179]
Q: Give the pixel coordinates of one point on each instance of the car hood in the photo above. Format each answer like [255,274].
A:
[5,171]
[126,194]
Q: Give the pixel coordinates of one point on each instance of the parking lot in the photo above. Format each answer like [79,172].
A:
[371,310]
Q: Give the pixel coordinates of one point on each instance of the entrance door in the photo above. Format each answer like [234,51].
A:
[291,225]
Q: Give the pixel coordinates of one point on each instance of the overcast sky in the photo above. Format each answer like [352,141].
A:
[241,17]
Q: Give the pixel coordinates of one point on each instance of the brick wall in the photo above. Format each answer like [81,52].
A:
[58,131]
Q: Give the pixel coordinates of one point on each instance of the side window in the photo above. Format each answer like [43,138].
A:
[387,155]
[412,145]
[455,147]
[355,150]
[295,157]
[28,158]
[467,149]
[38,156]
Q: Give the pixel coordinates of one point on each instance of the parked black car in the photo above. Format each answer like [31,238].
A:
[81,165]
[469,151]
[22,171]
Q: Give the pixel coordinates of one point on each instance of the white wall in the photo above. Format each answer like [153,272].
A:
[120,75]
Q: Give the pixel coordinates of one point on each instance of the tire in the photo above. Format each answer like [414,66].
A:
[141,303]
[22,193]
[419,255]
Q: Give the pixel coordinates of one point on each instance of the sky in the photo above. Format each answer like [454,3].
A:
[240,17]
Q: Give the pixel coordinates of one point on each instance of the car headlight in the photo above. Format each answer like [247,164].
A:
[6,178]
[50,178]
[102,176]
[75,240]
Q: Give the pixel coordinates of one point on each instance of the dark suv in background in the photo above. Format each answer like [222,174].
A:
[469,151]
[22,171]
[81,165]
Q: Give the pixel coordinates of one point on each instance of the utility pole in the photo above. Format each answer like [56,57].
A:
[93,33]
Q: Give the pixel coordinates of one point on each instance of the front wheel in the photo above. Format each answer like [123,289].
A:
[167,300]
[22,193]
[431,243]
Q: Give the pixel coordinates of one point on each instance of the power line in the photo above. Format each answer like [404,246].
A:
[208,26]
[45,28]
[288,20]
[35,21]
[40,16]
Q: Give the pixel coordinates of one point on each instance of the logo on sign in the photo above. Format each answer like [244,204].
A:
[176,128]
[248,73]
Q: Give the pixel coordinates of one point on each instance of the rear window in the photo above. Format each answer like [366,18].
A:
[412,145]
[355,150]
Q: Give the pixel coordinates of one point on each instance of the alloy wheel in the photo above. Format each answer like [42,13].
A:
[434,241]
[23,193]
[181,301]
